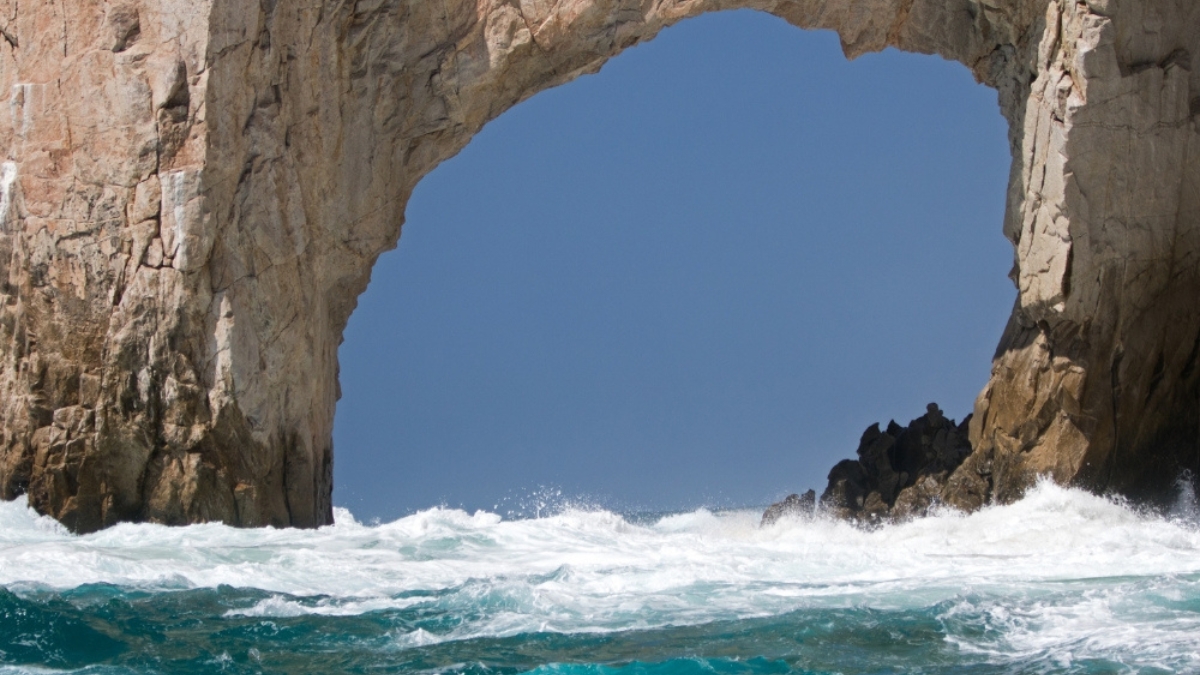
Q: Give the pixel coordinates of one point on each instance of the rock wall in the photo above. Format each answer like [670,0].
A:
[1095,381]
[193,193]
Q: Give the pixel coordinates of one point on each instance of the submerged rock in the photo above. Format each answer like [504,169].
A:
[794,506]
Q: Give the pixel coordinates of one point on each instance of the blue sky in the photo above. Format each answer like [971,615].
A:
[691,279]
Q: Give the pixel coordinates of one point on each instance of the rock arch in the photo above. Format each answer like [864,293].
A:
[193,195]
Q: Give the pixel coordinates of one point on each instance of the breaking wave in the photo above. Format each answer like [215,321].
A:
[1062,581]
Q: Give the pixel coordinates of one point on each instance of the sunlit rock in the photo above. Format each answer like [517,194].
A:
[193,193]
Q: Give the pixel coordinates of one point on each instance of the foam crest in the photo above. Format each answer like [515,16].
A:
[1052,534]
[1061,572]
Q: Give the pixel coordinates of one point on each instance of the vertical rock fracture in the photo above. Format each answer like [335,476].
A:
[192,195]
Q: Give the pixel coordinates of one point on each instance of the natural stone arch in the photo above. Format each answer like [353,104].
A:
[195,193]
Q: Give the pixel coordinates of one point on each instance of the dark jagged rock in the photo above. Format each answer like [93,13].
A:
[795,506]
[900,473]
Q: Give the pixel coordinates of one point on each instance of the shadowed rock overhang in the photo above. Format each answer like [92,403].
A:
[192,195]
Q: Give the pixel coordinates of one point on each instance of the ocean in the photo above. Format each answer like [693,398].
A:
[1060,582]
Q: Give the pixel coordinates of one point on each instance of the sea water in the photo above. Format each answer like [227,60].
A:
[1060,582]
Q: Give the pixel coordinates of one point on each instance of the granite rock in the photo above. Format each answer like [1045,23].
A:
[192,195]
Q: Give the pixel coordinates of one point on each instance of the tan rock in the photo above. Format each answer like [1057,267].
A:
[200,332]
[147,200]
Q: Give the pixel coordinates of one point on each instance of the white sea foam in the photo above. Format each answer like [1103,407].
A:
[1062,571]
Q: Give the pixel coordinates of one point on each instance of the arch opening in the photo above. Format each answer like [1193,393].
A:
[691,279]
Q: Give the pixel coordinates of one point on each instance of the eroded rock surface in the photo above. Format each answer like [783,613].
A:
[192,195]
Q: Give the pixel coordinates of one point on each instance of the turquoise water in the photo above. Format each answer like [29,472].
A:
[1062,582]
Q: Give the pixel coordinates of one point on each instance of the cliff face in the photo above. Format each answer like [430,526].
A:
[193,193]
[1095,381]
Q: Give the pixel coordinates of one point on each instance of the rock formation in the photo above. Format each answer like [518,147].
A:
[900,473]
[192,195]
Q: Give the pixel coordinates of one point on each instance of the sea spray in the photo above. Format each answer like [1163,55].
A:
[1062,581]
[1185,509]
